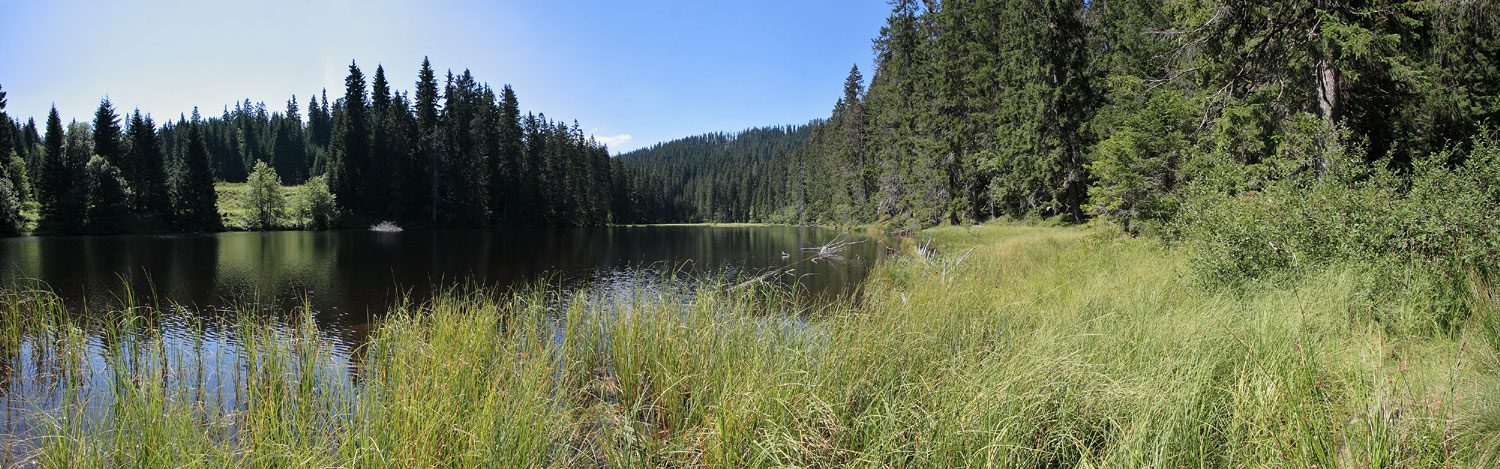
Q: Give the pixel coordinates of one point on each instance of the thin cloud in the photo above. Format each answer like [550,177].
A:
[614,142]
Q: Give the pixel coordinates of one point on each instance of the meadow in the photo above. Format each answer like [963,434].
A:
[991,346]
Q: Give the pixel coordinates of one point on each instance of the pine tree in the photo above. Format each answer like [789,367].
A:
[422,187]
[104,190]
[7,137]
[108,137]
[380,95]
[147,175]
[290,146]
[53,183]
[196,200]
[351,150]
[510,180]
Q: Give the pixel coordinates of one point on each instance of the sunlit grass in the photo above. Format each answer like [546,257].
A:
[234,205]
[1011,346]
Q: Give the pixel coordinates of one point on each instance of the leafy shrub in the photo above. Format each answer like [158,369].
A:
[1436,220]
[10,210]
[266,199]
[316,206]
[106,195]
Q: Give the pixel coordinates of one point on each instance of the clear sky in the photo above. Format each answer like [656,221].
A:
[632,73]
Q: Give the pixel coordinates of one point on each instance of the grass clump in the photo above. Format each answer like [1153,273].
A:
[1004,346]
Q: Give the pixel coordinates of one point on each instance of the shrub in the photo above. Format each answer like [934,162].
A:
[10,210]
[316,206]
[1436,220]
[106,196]
[267,203]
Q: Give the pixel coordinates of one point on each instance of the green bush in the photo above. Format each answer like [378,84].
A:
[10,210]
[316,206]
[1436,221]
[266,200]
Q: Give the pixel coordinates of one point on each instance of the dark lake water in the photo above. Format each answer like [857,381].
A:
[351,276]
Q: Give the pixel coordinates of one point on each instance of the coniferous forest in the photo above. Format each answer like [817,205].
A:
[983,109]
[1065,233]
[455,153]
[1134,112]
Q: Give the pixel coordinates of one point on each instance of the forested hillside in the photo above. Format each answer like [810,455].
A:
[1115,108]
[715,177]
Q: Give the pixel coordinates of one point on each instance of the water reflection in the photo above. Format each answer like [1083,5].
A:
[346,278]
[349,276]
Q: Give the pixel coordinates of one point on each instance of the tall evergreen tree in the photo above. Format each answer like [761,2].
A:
[351,150]
[7,130]
[147,175]
[290,147]
[54,181]
[196,200]
[423,186]
[108,137]
[509,181]
[380,93]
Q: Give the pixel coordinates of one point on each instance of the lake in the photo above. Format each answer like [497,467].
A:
[350,277]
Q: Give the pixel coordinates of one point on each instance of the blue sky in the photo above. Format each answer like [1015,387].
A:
[632,73]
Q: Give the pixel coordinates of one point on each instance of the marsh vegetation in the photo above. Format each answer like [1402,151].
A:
[1014,346]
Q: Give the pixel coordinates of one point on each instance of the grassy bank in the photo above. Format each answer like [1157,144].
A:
[1009,347]
[235,210]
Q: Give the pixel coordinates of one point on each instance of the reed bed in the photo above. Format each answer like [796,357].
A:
[1004,346]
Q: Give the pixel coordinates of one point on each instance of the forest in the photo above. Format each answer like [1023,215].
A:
[1267,135]
[1110,233]
[458,154]
[1202,122]
[1116,109]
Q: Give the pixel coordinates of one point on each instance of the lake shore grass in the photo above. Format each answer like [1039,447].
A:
[1006,346]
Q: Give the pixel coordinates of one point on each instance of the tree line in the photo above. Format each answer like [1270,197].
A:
[980,109]
[452,154]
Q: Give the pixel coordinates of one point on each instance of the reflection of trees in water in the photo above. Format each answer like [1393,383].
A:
[351,276]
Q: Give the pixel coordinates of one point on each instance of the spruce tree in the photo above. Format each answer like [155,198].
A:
[290,147]
[351,153]
[108,137]
[147,175]
[422,188]
[380,94]
[196,200]
[105,191]
[7,133]
[510,180]
[53,182]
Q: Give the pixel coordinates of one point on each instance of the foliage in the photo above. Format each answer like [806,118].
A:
[19,177]
[106,196]
[1436,220]
[10,210]
[317,206]
[194,198]
[1136,169]
[265,198]
[145,169]
[1099,352]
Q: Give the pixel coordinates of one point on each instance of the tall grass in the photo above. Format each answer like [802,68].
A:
[1011,347]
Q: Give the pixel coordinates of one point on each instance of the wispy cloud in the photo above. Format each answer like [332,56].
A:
[614,142]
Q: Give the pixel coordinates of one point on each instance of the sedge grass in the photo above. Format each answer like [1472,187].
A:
[1013,347]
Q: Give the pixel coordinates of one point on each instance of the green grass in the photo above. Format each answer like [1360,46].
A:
[1013,346]
[234,205]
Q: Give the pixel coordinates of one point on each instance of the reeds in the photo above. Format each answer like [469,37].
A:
[1009,347]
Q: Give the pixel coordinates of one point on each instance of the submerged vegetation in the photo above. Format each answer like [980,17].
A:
[1015,346]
